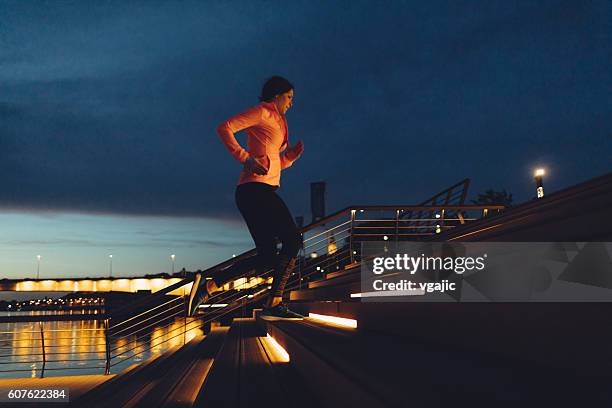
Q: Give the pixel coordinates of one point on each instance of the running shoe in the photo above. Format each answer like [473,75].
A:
[198,294]
[281,310]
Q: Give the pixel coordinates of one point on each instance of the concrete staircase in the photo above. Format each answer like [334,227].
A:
[402,354]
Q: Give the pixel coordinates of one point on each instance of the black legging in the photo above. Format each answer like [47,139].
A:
[268,219]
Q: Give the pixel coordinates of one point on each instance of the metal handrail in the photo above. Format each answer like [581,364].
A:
[326,238]
[138,338]
[143,313]
[162,335]
[64,338]
[54,330]
[50,354]
[327,231]
[144,320]
[70,330]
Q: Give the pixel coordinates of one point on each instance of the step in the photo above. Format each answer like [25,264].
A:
[124,385]
[348,269]
[181,385]
[335,292]
[246,374]
[338,279]
[355,367]
[544,332]
[170,380]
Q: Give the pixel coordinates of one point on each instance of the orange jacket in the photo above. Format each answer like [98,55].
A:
[266,132]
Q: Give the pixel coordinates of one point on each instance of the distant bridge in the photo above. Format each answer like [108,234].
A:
[130,285]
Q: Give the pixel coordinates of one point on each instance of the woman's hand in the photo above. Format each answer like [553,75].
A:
[257,165]
[293,153]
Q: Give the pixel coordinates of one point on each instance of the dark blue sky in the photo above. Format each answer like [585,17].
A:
[112,106]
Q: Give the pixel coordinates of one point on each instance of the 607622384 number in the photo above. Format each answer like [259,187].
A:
[34,394]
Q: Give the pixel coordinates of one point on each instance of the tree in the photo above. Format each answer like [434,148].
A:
[491,197]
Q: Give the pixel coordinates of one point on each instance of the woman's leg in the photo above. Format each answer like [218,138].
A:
[291,241]
[268,218]
[252,200]
[255,202]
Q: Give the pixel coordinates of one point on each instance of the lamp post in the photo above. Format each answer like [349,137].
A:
[38,266]
[172,257]
[110,265]
[538,175]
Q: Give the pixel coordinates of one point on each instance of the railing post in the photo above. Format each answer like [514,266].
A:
[351,236]
[440,221]
[397,216]
[108,346]
[185,319]
[301,260]
[42,340]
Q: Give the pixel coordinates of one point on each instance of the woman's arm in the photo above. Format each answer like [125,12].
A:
[235,124]
[292,154]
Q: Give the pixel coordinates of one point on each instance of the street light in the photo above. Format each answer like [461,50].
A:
[38,266]
[172,257]
[538,175]
[110,265]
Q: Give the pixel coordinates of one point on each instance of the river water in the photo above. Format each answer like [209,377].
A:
[79,347]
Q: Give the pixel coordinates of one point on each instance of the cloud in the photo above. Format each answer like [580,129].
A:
[112,109]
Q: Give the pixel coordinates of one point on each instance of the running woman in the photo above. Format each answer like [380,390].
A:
[266,215]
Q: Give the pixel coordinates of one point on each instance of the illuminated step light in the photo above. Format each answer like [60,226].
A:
[279,352]
[215,305]
[341,321]
[392,293]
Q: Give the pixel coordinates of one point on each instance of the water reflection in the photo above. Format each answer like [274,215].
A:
[79,347]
